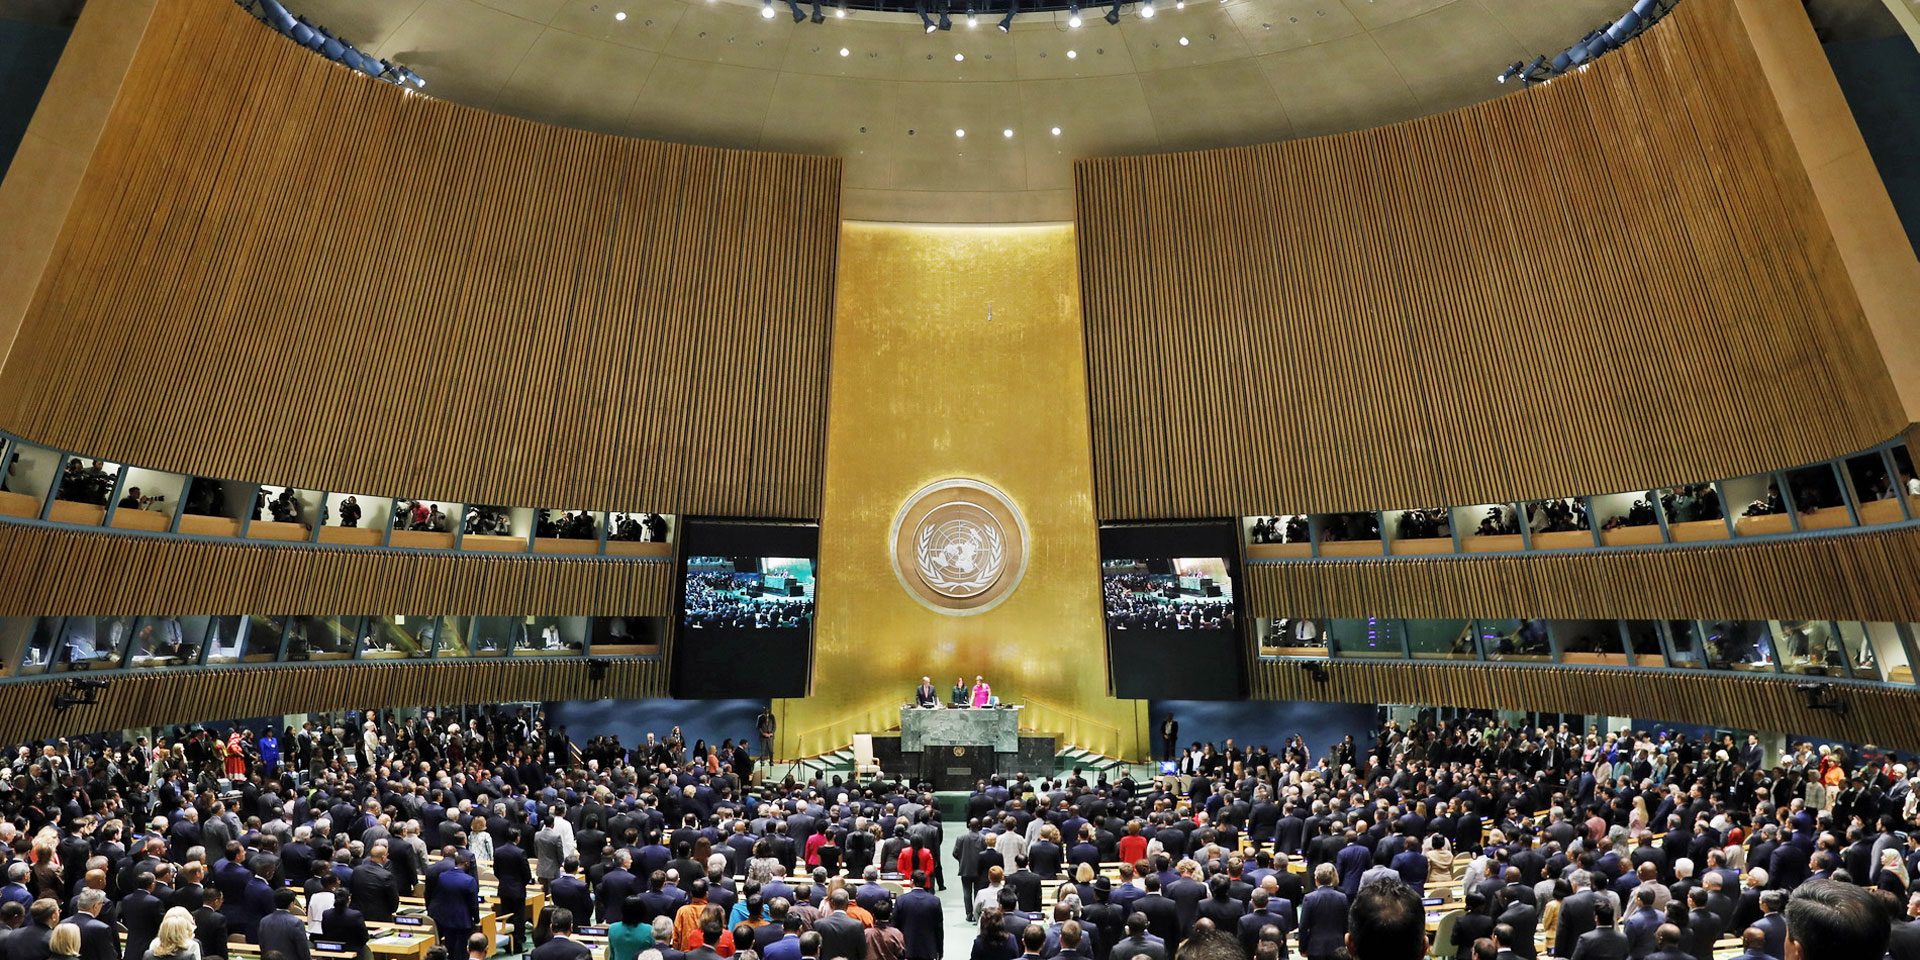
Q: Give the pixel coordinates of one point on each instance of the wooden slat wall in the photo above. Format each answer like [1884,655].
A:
[280,270]
[50,572]
[1882,715]
[160,697]
[1859,576]
[1616,281]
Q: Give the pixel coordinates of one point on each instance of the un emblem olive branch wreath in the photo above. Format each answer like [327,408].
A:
[985,572]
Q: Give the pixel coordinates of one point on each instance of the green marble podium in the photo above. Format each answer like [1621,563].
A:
[997,727]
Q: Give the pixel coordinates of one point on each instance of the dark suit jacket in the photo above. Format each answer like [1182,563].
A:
[1133,947]
[1904,942]
[561,948]
[1524,920]
[572,893]
[919,916]
[1467,929]
[30,943]
[1639,929]
[1026,886]
[1323,922]
[1703,928]
[375,892]
[140,913]
[1576,920]
[1186,894]
[346,925]
[1163,918]
[615,888]
[455,905]
[1775,926]
[1608,944]
[97,940]
[841,937]
[286,933]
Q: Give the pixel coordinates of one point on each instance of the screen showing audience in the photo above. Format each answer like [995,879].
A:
[748,593]
[1183,593]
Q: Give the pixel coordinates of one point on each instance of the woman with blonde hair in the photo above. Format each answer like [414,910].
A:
[1637,817]
[175,940]
[480,841]
[65,941]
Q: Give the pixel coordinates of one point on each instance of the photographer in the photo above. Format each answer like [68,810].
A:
[350,512]
[133,500]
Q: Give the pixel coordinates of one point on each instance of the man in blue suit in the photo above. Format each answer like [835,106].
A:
[1323,914]
[1772,923]
[455,907]
[921,921]
[1353,860]
[616,886]
[1642,924]
[282,931]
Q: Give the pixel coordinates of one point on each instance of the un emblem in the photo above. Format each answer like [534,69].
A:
[959,546]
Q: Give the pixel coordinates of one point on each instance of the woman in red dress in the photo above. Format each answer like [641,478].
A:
[236,756]
[916,857]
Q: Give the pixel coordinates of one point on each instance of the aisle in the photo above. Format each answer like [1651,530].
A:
[958,930]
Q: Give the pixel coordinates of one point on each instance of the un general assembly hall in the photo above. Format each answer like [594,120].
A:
[959,479]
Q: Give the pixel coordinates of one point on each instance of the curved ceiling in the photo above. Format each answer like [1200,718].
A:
[716,72]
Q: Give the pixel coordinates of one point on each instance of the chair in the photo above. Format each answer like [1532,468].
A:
[276,16]
[863,762]
[1442,948]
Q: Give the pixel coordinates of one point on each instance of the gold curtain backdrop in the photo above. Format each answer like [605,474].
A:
[957,352]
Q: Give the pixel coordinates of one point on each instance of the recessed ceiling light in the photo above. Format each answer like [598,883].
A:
[845,52]
[1008,133]
[959,133]
[1146,10]
[972,21]
[622,15]
[959,57]
[1072,55]
[1056,131]
[1183,41]
[842,14]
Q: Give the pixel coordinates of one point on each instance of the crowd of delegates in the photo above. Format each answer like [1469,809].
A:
[164,849]
[717,601]
[1138,601]
[1618,847]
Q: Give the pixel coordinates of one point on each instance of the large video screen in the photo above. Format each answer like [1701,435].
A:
[743,624]
[1172,611]
[748,593]
[1183,593]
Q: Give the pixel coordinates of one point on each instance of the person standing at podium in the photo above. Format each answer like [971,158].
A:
[925,695]
[982,694]
[960,691]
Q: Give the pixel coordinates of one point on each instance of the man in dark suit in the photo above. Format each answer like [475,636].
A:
[1323,916]
[210,925]
[374,889]
[844,938]
[1703,925]
[455,906]
[1475,923]
[1220,907]
[1138,943]
[1025,885]
[1163,917]
[572,893]
[511,869]
[1523,919]
[97,939]
[1753,945]
[1186,894]
[1642,924]
[1666,944]
[1169,737]
[562,946]
[1603,942]
[1265,913]
[616,886]
[1353,860]
[140,913]
[925,695]
[1773,923]
[30,941]
[921,921]
[284,932]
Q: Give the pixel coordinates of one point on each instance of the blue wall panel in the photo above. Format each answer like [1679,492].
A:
[1253,722]
[631,720]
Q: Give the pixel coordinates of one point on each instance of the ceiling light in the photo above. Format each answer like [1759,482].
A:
[920,7]
[1113,13]
[1073,15]
[1006,22]
[1146,10]
[958,57]
[845,52]
[818,17]
[766,9]
[1008,133]
[841,13]
[1056,131]
[1180,4]
[1509,73]
[960,133]
[1071,54]
[622,15]
[972,21]
[1183,41]
[946,22]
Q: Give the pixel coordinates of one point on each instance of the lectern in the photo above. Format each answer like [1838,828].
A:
[957,747]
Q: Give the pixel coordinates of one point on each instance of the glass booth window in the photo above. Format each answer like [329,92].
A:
[1288,528]
[1349,527]
[553,636]
[1559,515]
[638,528]
[1871,484]
[1685,644]
[1643,641]
[1626,518]
[485,520]
[1759,506]
[1516,640]
[225,639]
[149,499]
[1808,646]
[87,481]
[1371,637]
[1590,642]
[566,525]
[628,636]
[423,515]
[29,474]
[322,638]
[95,643]
[496,636]
[353,518]
[400,637]
[1889,652]
[43,645]
[1441,640]
[1293,637]
[15,634]
[454,637]
[1904,478]
[1745,645]
[167,641]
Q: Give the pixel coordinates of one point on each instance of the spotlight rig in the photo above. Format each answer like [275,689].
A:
[1820,696]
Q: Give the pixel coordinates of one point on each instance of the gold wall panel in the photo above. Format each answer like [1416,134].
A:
[52,572]
[278,269]
[957,353]
[1879,713]
[1618,280]
[149,698]
[1855,576]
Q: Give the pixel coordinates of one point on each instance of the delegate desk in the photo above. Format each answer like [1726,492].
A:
[954,747]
